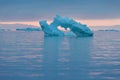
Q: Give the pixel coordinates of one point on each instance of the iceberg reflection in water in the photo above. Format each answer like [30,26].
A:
[31,56]
[66,57]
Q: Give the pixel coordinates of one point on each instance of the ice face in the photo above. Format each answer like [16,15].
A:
[50,30]
[78,29]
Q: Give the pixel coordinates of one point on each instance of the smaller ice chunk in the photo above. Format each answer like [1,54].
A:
[28,29]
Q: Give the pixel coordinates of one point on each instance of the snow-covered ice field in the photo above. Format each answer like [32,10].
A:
[31,56]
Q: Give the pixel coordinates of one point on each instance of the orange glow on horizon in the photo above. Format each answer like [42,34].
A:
[109,22]
[34,23]
[106,22]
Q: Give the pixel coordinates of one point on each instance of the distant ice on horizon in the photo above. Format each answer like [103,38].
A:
[13,27]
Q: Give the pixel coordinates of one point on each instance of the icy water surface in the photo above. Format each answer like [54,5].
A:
[31,56]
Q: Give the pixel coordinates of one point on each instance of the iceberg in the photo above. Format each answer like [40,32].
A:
[80,30]
[28,29]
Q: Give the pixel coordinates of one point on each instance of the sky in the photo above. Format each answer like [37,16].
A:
[91,12]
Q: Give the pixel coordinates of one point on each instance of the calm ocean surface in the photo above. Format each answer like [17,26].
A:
[31,56]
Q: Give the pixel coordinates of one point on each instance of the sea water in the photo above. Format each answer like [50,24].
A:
[31,56]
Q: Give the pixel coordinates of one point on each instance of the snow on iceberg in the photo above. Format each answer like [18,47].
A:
[78,29]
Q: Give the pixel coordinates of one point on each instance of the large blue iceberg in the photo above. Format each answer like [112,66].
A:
[76,28]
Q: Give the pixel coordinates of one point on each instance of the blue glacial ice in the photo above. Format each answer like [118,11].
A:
[28,29]
[75,28]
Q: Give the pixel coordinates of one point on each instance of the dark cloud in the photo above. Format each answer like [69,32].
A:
[29,10]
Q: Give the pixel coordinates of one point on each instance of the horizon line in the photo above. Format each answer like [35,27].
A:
[89,22]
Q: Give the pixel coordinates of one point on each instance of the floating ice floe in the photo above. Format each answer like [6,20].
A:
[74,27]
[28,29]
[113,30]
